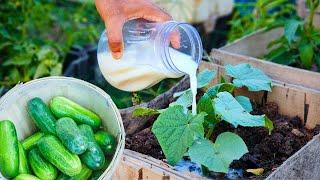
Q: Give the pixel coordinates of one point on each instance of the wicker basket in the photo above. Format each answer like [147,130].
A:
[13,107]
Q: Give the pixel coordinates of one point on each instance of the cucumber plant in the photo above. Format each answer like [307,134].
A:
[264,14]
[180,133]
[300,44]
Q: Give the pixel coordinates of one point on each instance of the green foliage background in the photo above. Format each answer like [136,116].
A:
[36,35]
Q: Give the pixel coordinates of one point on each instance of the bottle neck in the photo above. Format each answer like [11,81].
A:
[189,44]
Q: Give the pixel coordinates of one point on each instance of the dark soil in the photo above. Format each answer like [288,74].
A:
[265,151]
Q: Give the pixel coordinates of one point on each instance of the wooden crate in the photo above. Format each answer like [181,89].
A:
[137,166]
[250,48]
[293,100]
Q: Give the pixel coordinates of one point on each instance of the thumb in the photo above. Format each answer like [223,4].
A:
[115,38]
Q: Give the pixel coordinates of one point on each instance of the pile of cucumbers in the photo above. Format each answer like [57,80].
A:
[70,143]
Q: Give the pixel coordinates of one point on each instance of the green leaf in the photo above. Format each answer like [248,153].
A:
[231,111]
[56,70]
[306,54]
[205,77]
[244,102]
[246,75]
[286,58]
[205,105]
[138,112]
[176,132]
[290,29]
[268,124]
[214,90]
[218,156]
[14,75]
[19,60]
[184,100]
[41,70]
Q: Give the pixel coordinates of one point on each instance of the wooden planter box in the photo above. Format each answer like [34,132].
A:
[304,98]
[291,100]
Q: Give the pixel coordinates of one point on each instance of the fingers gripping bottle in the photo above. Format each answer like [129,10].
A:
[149,55]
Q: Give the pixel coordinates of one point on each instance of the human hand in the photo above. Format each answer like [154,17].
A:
[116,12]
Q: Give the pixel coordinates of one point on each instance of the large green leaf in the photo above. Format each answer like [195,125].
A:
[56,70]
[231,111]
[290,29]
[41,70]
[246,75]
[244,102]
[176,132]
[306,54]
[218,156]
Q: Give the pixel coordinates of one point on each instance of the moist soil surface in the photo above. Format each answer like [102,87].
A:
[265,151]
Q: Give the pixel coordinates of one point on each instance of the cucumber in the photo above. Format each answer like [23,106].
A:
[96,174]
[23,162]
[40,166]
[93,157]
[63,107]
[31,141]
[70,135]
[83,175]
[106,141]
[41,115]
[26,177]
[53,150]
[9,149]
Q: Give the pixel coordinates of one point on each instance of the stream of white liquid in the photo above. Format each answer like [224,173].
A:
[134,72]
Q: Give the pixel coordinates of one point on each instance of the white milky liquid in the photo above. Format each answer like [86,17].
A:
[138,69]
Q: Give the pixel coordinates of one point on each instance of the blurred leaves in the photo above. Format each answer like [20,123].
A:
[265,14]
[36,35]
[300,44]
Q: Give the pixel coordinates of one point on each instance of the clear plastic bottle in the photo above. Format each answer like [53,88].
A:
[148,55]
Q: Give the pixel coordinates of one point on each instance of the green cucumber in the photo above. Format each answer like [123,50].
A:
[23,162]
[96,174]
[41,115]
[31,141]
[63,107]
[26,177]
[106,141]
[94,157]
[40,166]
[70,136]
[53,150]
[83,175]
[9,149]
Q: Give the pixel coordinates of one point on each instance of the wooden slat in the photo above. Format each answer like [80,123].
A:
[136,166]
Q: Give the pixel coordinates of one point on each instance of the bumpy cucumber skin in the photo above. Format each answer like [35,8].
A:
[96,174]
[94,157]
[70,136]
[63,107]
[9,149]
[23,161]
[32,140]
[26,177]
[106,141]
[41,115]
[40,166]
[83,175]
[53,150]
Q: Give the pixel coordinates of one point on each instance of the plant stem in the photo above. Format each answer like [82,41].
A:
[209,133]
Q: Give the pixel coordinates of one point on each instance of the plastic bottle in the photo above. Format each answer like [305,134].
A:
[148,54]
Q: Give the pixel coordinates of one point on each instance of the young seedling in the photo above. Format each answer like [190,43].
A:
[180,133]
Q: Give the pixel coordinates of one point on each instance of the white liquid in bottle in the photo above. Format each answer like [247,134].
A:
[131,73]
